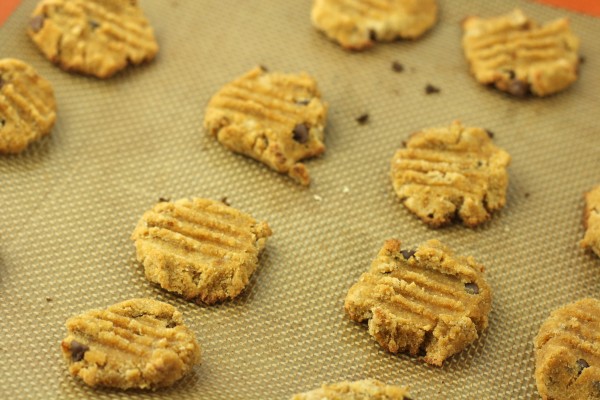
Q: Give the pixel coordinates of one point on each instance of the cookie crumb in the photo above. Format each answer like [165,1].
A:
[317,197]
[225,201]
[363,119]
[49,299]
[430,89]
[397,67]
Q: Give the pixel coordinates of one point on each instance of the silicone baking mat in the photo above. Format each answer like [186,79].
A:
[70,202]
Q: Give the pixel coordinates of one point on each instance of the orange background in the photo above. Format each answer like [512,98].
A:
[6,8]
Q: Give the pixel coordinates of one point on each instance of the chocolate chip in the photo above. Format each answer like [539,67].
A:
[489,133]
[372,35]
[430,89]
[408,253]
[430,215]
[225,201]
[518,88]
[48,299]
[300,133]
[363,119]
[403,143]
[93,24]
[471,288]
[163,200]
[511,74]
[581,59]
[397,67]
[303,102]
[265,69]
[2,123]
[581,365]
[527,195]
[78,350]
[36,23]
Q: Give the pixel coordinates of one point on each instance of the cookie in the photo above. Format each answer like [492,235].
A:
[591,221]
[199,248]
[520,57]
[368,389]
[27,106]
[567,353]
[92,37]
[275,118]
[425,300]
[444,174]
[139,343]
[357,25]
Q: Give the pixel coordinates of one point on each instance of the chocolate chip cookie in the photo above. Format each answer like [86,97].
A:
[424,299]
[591,221]
[368,389]
[520,57]
[92,37]
[567,352]
[139,343]
[357,25]
[444,174]
[199,248]
[275,118]
[27,106]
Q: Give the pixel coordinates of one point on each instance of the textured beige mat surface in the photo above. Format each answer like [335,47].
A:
[69,203]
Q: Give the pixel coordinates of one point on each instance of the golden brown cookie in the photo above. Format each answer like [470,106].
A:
[139,343]
[518,56]
[591,221]
[93,37]
[27,106]
[567,353]
[275,118]
[368,389]
[447,173]
[422,300]
[357,25]
[199,248]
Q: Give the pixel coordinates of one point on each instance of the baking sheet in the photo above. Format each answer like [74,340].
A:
[69,203]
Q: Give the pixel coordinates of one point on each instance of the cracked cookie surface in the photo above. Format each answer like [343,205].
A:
[517,56]
[139,343]
[357,25]
[422,300]
[591,221]
[567,352]
[92,37]
[27,106]
[447,173]
[368,389]
[275,118]
[199,248]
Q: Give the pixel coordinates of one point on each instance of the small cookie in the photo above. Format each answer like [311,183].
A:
[357,25]
[449,173]
[567,353]
[93,37]
[27,106]
[422,300]
[275,118]
[199,248]
[591,221]
[519,57]
[139,343]
[368,389]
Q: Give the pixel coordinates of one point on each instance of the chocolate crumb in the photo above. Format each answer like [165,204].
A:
[403,143]
[363,119]
[430,89]
[408,253]
[527,195]
[93,24]
[489,133]
[36,23]
[397,67]
[265,69]
[2,123]
[511,74]
[303,102]
[581,365]
[581,59]
[471,288]
[49,299]
[518,88]
[78,350]
[300,133]
[225,201]
[163,200]
[430,215]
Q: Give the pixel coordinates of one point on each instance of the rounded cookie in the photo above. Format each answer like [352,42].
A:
[27,106]
[368,389]
[447,173]
[139,343]
[92,37]
[517,56]
[275,118]
[422,300]
[591,221]
[357,25]
[567,353]
[199,248]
